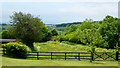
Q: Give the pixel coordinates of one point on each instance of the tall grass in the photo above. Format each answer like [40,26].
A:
[66,46]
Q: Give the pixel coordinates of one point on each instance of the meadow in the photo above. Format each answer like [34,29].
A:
[47,62]
[67,47]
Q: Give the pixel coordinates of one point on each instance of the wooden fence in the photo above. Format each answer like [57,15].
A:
[71,55]
[59,55]
[74,55]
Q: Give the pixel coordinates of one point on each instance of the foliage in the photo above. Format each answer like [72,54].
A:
[110,31]
[28,28]
[104,33]
[54,32]
[7,35]
[54,38]
[15,50]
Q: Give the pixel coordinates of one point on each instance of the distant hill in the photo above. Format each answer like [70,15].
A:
[67,24]
[59,27]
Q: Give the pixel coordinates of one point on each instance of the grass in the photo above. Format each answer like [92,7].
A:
[0,57]
[64,46]
[61,46]
[47,62]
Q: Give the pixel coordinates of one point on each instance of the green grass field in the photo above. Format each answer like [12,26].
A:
[58,46]
[47,62]
[66,47]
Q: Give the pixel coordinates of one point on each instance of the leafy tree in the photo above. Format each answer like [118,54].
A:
[27,28]
[104,33]
[54,32]
[110,31]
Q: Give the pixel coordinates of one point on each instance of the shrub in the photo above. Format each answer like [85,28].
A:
[54,32]
[54,38]
[6,34]
[15,50]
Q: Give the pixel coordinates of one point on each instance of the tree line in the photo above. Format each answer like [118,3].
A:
[104,33]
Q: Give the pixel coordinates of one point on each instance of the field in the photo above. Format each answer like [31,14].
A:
[24,62]
[66,47]
[59,46]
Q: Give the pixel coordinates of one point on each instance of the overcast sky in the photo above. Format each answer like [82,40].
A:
[61,11]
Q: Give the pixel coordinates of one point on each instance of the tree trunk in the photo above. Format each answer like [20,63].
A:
[31,46]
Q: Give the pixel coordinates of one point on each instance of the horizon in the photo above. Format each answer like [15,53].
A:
[61,12]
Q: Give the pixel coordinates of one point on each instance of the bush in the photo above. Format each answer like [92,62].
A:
[15,50]
[6,34]
[54,38]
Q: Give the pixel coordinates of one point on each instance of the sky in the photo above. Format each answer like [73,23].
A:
[60,11]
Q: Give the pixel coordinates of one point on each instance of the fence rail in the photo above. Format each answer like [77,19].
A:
[74,55]
[59,55]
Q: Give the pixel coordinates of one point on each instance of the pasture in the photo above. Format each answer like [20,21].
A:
[47,62]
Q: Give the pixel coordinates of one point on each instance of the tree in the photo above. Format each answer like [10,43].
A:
[27,28]
[54,32]
[110,31]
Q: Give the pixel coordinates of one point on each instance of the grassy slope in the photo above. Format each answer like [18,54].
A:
[57,46]
[24,62]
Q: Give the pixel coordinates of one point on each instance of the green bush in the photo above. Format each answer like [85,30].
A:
[7,35]
[15,50]
[54,38]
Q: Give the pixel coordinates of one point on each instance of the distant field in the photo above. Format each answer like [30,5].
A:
[48,26]
[60,28]
[24,62]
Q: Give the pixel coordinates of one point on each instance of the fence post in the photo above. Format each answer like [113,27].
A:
[117,55]
[78,56]
[51,55]
[37,55]
[3,50]
[91,57]
[92,54]
[65,56]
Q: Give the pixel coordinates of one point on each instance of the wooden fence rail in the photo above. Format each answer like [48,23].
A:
[59,55]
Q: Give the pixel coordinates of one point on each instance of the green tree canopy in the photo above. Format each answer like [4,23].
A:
[54,32]
[104,33]
[27,28]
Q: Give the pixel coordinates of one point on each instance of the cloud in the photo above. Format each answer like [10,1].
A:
[91,10]
[52,12]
